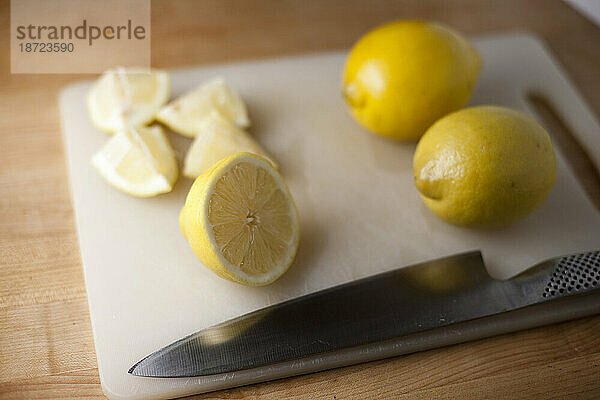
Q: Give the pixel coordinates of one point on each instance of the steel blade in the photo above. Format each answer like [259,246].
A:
[409,309]
[377,308]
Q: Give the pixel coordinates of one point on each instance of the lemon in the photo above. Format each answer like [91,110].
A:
[138,161]
[187,114]
[241,221]
[403,76]
[217,139]
[484,166]
[124,98]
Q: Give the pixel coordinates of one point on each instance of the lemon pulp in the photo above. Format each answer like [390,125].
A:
[250,219]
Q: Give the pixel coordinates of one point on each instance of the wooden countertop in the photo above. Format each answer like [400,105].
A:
[46,344]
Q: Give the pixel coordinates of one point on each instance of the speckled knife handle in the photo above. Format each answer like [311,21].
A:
[573,274]
[559,277]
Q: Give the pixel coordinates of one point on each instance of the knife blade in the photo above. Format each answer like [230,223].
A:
[414,308]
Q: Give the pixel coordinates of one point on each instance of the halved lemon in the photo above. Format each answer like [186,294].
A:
[138,161]
[241,221]
[188,114]
[216,140]
[127,98]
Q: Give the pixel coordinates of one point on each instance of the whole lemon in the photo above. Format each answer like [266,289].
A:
[484,166]
[401,77]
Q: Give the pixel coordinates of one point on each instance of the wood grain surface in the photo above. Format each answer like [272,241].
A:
[46,344]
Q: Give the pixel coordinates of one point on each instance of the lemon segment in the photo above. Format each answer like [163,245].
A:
[139,162]
[484,166]
[241,221]
[218,139]
[401,77]
[189,113]
[127,98]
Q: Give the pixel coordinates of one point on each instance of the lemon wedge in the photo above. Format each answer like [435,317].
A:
[124,98]
[241,221]
[138,161]
[188,114]
[217,139]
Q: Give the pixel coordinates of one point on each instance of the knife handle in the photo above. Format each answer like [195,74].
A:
[562,276]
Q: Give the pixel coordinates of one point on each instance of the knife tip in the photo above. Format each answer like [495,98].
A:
[140,368]
[132,370]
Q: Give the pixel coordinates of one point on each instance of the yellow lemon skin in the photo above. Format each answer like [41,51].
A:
[401,77]
[193,226]
[484,166]
[195,223]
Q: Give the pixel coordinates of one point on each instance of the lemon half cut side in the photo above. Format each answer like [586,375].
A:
[241,221]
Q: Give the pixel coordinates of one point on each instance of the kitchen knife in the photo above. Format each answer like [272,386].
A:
[435,303]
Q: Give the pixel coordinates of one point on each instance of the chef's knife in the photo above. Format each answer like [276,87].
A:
[435,303]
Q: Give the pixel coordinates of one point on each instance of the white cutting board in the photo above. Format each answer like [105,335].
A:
[359,211]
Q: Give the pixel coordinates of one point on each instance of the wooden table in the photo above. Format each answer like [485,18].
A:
[46,345]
